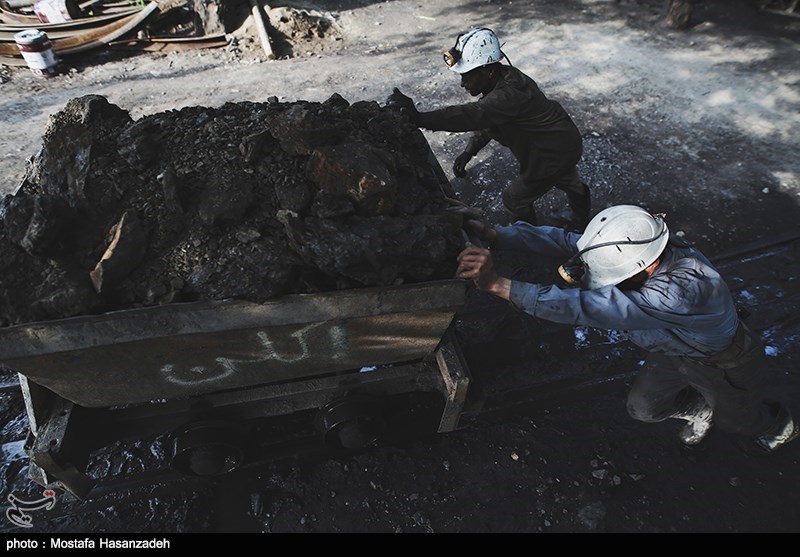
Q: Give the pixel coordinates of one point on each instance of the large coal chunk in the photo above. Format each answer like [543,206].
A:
[384,250]
[248,201]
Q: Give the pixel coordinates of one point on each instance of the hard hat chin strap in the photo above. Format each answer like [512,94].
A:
[573,270]
[504,55]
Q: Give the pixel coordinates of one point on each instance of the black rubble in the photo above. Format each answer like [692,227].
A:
[248,201]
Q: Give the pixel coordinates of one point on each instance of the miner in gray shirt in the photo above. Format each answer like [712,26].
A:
[628,274]
[513,111]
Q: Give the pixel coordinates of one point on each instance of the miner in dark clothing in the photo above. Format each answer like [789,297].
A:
[513,111]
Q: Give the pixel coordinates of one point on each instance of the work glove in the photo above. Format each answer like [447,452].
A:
[404,103]
[474,221]
[460,164]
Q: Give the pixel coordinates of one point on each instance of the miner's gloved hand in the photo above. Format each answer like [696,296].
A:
[460,164]
[476,264]
[404,103]
[474,223]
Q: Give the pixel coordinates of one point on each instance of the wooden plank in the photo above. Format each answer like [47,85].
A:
[13,61]
[12,17]
[91,38]
[455,376]
[49,28]
[104,35]
[176,44]
[261,25]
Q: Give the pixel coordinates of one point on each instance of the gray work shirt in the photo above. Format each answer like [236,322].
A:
[684,309]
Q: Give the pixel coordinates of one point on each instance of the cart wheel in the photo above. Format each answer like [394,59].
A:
[351,422]
[207,448]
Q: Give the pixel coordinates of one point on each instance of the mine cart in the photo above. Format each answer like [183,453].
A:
[342,368]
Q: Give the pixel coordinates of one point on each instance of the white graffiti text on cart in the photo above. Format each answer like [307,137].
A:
[266,350]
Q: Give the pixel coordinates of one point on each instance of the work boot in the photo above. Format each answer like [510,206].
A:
[529,217]
[697,426]
[569,220]
[782,432]
[698,415]
[581,207]
[576,216]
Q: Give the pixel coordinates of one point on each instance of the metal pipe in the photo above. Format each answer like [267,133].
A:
[262,29]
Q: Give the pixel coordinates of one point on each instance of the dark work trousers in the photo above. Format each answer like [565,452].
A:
[736,395]
[519,196]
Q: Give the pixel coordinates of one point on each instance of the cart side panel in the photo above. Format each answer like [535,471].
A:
[250,347]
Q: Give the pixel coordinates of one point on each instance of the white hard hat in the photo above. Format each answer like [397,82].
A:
[477,47]
[619,242]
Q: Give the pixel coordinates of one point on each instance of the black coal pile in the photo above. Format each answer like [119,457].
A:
[248,201]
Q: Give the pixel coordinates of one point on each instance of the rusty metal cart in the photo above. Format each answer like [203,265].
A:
[203,371]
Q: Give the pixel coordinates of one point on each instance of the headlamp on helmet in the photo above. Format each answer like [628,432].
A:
[452,56]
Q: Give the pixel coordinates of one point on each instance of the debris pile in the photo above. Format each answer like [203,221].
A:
[74,28]
[248,201]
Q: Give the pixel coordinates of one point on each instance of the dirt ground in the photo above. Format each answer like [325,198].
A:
[700,124]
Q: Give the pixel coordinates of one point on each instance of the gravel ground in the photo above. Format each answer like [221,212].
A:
[701,124]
